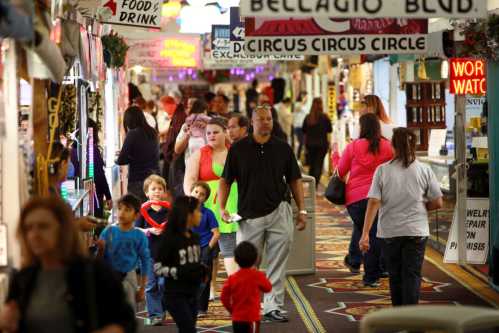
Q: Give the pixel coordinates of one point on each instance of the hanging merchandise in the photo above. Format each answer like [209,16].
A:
[422,69]
[95,108]
[67,113]
[15,24]
[43,162]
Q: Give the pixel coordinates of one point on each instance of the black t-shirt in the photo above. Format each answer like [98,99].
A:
[262,173]
[178,260]
[159,217]
[316,134]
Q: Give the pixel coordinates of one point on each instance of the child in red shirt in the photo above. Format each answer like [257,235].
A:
[242,291]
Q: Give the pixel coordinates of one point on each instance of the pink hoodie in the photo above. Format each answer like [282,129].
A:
[361,164]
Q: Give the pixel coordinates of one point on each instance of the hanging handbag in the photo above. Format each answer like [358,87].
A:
[335,191]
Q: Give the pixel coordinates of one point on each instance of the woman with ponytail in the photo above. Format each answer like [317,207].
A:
[359,161]
[403,191]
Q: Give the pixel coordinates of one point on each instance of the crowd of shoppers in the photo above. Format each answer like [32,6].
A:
[224,174]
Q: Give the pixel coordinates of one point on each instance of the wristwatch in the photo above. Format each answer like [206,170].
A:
[303,212]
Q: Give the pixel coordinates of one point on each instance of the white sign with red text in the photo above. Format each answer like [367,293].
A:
[137,13]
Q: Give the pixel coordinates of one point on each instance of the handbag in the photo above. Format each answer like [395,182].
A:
[335,191]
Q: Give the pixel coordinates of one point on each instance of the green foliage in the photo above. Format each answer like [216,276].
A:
[116,48]
[481,37]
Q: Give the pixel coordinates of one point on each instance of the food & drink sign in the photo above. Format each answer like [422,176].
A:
[138,13]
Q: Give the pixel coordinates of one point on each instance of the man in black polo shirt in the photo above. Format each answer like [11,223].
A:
[263,166]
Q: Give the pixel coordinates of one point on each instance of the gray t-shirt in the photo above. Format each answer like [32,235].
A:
[48,310]
[403,193]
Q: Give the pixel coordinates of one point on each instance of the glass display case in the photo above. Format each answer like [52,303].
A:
[441,219]
[444,169]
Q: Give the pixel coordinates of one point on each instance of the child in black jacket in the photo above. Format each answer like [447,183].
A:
[178,261]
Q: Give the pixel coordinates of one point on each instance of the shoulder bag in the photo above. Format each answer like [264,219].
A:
[335,191]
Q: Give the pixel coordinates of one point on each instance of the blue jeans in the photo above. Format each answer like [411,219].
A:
[372,258]
[204,289]
[154,294]
[404,257]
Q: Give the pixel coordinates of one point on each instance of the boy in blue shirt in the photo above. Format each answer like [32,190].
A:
[209,235]
[125,247]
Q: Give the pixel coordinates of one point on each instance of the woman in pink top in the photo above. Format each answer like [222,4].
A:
[359,161]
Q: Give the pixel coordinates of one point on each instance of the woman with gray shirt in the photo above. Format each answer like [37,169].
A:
[403,190]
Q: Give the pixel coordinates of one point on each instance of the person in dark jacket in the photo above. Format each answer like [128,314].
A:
[179,262]
[101,186]
[140,151]
[178,119]
[316,128]
[58,288]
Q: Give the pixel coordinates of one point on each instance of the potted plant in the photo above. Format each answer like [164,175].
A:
[481,37]
[115,49]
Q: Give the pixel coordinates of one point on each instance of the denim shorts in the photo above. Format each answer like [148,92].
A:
[227,243]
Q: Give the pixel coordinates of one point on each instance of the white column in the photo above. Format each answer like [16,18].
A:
[10,154]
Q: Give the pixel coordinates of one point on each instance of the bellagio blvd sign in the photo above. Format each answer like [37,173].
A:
[365,8]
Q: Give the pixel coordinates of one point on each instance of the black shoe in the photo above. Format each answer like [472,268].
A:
[374,284]
[275,316]
[384,275]
[353,269]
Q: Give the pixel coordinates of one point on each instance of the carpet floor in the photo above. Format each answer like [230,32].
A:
[333,299]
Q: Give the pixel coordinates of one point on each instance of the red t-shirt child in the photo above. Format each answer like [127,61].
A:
[241,294]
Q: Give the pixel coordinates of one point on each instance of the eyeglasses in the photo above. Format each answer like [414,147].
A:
[265,106]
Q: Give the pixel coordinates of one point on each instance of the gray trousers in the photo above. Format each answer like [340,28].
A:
[274,233]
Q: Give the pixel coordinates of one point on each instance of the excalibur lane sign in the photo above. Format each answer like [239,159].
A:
[237,33]
[365,8]
[339,36]
[138,13]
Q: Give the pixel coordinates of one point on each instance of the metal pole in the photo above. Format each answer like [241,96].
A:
[461,195]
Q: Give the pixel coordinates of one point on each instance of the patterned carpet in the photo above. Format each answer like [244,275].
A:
[334,300]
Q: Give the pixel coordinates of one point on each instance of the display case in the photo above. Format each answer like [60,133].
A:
[444,168]
[441,220]
[80,199]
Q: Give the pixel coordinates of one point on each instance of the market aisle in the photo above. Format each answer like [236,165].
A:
[334,300]
[338,298]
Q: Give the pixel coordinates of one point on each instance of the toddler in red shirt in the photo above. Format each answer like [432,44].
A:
[242,291]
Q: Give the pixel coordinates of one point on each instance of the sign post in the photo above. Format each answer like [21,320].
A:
[461,169]
[467,76]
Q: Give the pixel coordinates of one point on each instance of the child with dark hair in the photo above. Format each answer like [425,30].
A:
[125,246]
[209,235]
[241,291]
[178,261]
